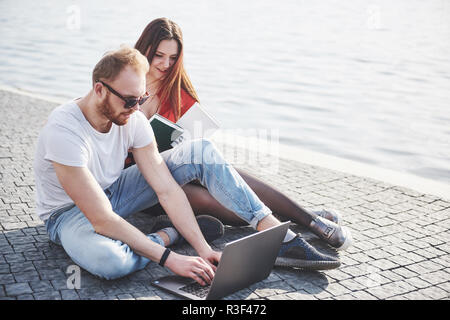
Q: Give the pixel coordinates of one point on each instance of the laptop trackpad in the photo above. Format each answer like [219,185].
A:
[183,286]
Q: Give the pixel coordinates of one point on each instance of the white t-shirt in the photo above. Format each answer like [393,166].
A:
[69,139]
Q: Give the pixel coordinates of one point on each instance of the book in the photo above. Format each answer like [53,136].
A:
[197,124]
[166,132]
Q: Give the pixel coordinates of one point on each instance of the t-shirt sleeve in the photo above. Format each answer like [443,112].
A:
[143,133]
[65,147]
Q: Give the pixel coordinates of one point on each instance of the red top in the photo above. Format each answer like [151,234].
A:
[186,103]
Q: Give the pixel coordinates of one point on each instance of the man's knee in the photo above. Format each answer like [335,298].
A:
[110,265]
[205,152]
[100,256]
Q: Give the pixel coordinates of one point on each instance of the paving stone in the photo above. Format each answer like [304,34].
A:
[401,260]
[26,276]
[59,284]
[391,275]
[14,225]
[401,248]
[363,295]
[17,289]
[52,295]
[300,295]
[377,254]
[324,295]
[90,293]
[17,267]
[435,293]
[145,295]
[412,257]
[69,294]
[337,289]
[424,267]
[418,282]
[39,286]
[7,279]
[16,257]
[436,277]
[384,292]
[353,285]
[445,286]
[4,268]
[383,264]
[405,273]
[273,288]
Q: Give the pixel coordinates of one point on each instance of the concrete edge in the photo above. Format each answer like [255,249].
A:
[33,95]
[298,154]
[419,184]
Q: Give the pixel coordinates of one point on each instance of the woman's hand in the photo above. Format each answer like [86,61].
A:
[197,268]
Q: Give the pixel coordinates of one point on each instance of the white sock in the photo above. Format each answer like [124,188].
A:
[289,236]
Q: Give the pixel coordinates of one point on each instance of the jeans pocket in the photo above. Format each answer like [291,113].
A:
[108,193]
[52,222]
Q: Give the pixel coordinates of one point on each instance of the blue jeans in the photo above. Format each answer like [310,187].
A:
[192,160]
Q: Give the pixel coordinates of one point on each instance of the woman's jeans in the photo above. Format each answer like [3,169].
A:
[130,193]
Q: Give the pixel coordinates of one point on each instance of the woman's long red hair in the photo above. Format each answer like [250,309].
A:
[177,79]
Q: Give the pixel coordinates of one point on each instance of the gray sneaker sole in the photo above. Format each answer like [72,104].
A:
[306,264]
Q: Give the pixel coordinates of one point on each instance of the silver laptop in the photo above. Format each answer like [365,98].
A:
[244,261]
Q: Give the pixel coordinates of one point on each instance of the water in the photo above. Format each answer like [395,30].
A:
[362,80]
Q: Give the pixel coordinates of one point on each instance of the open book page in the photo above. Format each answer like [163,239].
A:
[197,123]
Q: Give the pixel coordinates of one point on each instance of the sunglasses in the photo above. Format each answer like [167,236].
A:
[129,102]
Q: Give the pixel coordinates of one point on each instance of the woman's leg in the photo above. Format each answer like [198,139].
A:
[203,203]
[279,203]
[200,160]
[283,207]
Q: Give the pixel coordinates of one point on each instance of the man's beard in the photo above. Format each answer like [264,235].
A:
[107,110]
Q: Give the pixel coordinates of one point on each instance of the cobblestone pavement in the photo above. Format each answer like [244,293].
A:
[401,236]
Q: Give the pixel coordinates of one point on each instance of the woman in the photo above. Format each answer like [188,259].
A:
[173,94]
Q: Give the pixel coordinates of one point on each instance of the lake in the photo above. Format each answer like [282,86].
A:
[362,80]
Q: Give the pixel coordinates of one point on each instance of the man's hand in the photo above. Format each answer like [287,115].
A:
[212,258]
[192,267]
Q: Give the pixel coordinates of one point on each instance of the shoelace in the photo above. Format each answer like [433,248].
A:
[310,252]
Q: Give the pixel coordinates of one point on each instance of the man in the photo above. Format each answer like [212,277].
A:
[84,196]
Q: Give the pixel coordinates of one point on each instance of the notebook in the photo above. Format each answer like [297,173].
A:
[244,261]
[165,131]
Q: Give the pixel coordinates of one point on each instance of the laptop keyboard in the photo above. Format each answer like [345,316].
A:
[196,289]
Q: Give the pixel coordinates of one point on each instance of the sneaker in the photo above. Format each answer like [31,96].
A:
[211,227]
[299,253]
[335,235]
[332,215]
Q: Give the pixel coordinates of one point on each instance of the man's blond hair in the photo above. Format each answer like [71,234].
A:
[113,62]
